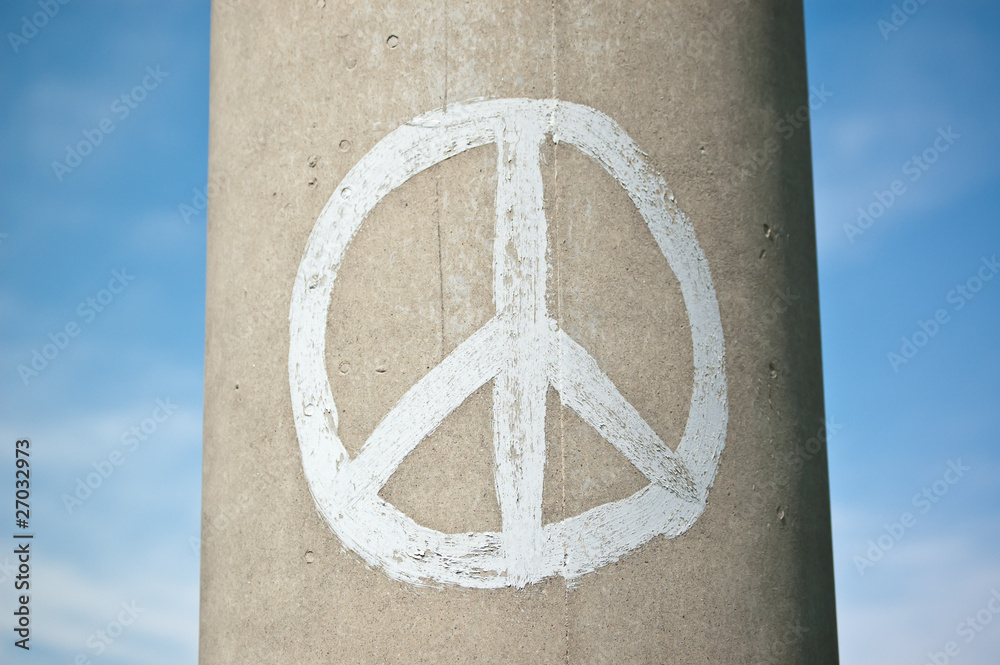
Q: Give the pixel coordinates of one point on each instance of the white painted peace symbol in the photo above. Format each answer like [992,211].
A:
[522,350]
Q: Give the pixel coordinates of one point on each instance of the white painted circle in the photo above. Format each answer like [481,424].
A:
[346,490]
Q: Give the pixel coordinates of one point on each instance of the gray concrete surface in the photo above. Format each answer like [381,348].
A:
[300,92]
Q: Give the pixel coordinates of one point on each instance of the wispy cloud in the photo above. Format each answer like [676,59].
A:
[76,605]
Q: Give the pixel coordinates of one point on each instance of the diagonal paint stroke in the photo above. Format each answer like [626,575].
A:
[583,387]
[424,406]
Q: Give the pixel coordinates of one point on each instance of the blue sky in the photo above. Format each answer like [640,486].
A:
[116,211]
[893,91]
[927,90]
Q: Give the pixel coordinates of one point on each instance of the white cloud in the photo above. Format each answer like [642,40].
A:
[75,604]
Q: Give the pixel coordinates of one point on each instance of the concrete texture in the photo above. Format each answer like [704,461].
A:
[301,91]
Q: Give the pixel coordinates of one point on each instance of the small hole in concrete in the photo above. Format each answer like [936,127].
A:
[392,41]
[345,145]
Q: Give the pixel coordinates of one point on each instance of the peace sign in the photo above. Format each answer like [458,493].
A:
[522,350]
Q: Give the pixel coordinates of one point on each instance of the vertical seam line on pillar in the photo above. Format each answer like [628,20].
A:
[437,186]
[437,207]
[558,262]
[446,31]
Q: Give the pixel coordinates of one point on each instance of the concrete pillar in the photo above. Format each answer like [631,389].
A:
[512,336]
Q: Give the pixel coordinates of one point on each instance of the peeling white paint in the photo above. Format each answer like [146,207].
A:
[522,350]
